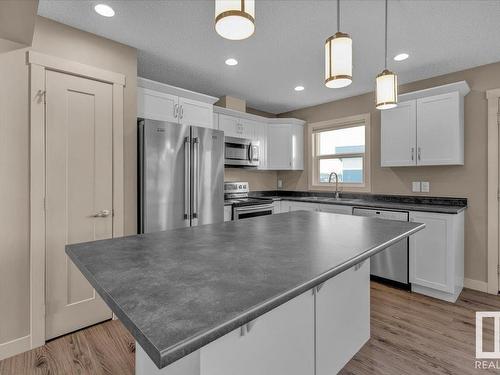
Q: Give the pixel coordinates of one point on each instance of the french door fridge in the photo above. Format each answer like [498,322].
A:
[181,173]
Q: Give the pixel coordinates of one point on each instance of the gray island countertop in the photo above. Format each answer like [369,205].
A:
[176,291]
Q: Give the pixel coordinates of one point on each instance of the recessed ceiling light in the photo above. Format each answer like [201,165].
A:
[299,88]
[231,62]
[401,57]
[104,10]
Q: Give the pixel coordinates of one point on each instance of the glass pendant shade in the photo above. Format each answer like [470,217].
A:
[235,19]
[387,90]
[338,61]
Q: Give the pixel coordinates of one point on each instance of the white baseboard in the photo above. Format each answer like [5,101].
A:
[10,348]
[481,286]
[434,293]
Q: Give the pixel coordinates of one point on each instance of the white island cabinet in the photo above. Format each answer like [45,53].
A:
[342,318]
[315,333]
[279,342]
[437,255]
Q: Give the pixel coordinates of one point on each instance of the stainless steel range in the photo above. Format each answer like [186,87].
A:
[236,193]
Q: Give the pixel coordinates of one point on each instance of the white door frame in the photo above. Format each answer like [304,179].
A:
[493,97]
[39,63]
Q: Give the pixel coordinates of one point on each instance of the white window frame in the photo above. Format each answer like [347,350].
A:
[313,159]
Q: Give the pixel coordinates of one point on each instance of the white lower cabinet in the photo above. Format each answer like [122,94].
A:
[342,318]
[278,342]
[336,209]
[287,206]
[228,213]
[437,255]
[277,207]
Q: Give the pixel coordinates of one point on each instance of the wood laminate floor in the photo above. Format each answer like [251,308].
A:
[411,334]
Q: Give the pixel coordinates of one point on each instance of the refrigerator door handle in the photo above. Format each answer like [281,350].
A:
[196,143]
[187,189]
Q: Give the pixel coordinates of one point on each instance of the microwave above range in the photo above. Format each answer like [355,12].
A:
[239,152]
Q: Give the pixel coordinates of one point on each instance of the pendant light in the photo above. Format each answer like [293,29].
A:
[338,58]
[235,19]
[387,81]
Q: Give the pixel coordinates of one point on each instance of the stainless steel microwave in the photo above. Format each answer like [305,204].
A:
[240,152]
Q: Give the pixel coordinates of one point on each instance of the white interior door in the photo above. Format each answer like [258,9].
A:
[78,186]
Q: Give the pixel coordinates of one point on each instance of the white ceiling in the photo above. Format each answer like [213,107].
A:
[178,45]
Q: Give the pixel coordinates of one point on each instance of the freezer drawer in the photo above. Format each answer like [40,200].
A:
[391,263]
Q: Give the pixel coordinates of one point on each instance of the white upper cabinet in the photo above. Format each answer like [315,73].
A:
[281,141]
[297,146]
[398,135]
[229,125]
[427,128]
[260,138]
[195,113]
[279,147]
[236,127]
[156,105]
[157,101]
[285,146]
[440,130]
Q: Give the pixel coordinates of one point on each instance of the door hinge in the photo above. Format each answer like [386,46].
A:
[44,204]
[498,194]
[498,269]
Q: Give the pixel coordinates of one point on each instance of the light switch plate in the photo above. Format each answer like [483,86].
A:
[425,186]
[415,186]
[280,184]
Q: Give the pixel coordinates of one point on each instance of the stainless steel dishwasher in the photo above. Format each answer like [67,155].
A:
[391,264]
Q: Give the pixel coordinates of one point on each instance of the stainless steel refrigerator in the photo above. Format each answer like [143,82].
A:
[181,170]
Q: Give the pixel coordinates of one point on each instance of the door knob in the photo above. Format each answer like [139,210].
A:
[103,213]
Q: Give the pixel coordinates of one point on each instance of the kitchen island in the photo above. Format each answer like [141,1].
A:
[280,294]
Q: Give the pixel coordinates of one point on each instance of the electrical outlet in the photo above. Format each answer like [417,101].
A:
[425,186]
[280,184]
[415,186]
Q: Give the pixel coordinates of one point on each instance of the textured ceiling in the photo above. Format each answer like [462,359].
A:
[178,45]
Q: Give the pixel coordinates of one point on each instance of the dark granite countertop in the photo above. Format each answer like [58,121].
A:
[178,290]
[443,205]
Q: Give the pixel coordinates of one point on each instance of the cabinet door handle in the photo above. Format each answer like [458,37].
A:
[181,109]
[246,328]
[412,153]
[176,110]
[359,265]
[419,153]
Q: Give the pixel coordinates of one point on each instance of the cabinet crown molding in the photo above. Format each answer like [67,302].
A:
[173,90]
[462,87]
[250,116]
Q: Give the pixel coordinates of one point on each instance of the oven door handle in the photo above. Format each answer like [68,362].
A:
[255,208]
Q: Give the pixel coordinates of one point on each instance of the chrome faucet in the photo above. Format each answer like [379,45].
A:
[336,183]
